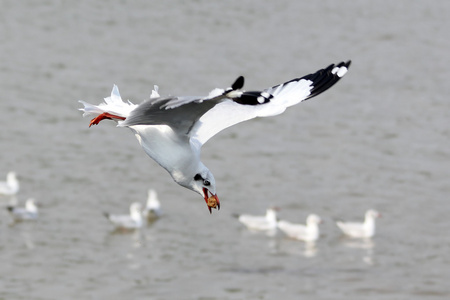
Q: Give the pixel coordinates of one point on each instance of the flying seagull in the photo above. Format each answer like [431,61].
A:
[172,129]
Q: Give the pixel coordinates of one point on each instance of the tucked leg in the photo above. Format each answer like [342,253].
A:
[103,116]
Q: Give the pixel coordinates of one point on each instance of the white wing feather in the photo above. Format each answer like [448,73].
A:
[229,113]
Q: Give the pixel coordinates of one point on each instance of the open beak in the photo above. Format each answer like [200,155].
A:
[211,201]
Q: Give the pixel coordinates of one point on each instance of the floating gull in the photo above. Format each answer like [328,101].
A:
[263,223]
[152,208]
[10,186]
[360,230]
[29,212]
[131,221]
[308,233]
[172,130]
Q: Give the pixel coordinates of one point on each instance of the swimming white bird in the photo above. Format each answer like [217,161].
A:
[308,233]
[361,230]
[132,221]
[263,223]
[10,186]
[29,212]
[172,130]
[152,209]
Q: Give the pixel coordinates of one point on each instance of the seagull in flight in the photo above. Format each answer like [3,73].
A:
[172,130]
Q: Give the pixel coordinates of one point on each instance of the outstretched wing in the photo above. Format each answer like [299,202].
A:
[202,118]
[180,113]
[269,102]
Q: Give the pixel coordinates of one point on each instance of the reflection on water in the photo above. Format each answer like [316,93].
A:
[310,249]
[135,236]
[128,244]
[298,248]
[25,232]
[366,244]
[28,240]
[133,262]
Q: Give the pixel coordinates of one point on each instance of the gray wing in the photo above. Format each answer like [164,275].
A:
[180,113]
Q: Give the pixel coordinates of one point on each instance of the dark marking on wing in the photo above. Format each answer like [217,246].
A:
[253,98]
[238,84]
[324,79]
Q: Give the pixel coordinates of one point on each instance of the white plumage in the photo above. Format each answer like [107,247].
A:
[264,223]
[152,209]
[365,229]
[172,130]
[308,233]
[132,221]
[29,212]
[10,186]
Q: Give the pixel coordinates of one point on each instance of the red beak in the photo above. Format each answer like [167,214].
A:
[211,202]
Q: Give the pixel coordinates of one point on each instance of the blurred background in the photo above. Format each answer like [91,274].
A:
[378,139]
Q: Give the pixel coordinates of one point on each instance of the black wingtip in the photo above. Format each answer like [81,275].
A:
[326,78]
[347,64]
[238,83]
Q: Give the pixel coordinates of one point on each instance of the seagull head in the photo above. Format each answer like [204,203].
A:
[203,182]
[313,220]
[30,205]
[372,214]
[198,178]
[11,177]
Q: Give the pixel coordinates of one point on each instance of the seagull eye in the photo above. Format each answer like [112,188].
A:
[198,177]
[206,182]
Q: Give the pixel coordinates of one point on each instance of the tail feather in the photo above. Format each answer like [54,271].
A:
[90,109]
[112,105]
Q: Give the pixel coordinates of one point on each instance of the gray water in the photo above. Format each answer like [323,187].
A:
[378,139]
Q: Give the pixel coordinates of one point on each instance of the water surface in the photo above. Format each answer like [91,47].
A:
[378,139]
